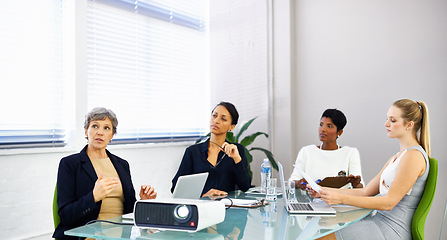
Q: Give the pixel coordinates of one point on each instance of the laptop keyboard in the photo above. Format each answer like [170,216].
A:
[301,206]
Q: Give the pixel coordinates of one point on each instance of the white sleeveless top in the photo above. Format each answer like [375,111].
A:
[395,223]
[388,175]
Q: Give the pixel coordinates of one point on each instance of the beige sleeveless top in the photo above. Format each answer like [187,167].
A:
[112,205]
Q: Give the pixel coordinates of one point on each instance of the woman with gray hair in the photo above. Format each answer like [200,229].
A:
[95,184]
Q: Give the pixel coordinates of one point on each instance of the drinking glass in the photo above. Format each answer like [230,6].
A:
[290,190]
[272,190]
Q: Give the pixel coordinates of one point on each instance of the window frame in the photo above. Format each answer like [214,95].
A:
[75,89]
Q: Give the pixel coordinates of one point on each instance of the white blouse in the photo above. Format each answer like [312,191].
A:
[319,164]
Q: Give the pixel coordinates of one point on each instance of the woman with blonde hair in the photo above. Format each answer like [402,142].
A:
[399,185]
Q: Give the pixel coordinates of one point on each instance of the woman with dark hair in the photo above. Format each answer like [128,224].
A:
[226,163]
[94,183]
[329,159]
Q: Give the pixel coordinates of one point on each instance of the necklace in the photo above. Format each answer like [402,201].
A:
[321,147]
[217,145]
[221,149]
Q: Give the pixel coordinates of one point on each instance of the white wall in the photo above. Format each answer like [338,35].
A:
[361,56]
[283,119]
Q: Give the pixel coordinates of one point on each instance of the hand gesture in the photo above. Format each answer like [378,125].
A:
[231,151]
[301,184]
[331,197]
[147,192]
[355,181]
[215,192]
[103,187]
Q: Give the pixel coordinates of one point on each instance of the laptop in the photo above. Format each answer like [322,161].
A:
[190,186]
[312,208]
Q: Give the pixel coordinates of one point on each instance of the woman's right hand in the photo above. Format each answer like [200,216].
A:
[331,196]
[103,187]
[301,184]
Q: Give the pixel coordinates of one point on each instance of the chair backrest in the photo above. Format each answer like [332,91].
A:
[56,218]
[420,215]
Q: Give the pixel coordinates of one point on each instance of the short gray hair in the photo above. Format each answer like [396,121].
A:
[101,113]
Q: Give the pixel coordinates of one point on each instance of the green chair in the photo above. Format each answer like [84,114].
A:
[56,218]
[420,215]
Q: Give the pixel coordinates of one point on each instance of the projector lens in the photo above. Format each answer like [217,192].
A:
[182,213]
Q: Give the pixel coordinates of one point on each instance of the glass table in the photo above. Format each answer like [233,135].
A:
[266,222]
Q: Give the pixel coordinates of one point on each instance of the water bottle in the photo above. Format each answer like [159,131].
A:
[266,173]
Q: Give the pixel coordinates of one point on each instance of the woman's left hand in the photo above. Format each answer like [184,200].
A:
[355,181]
[231,151]
[147,192]
[214,192]
[331,197]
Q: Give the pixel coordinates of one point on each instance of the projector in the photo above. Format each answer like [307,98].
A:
[178,214]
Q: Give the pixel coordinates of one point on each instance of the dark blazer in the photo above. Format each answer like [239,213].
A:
[75,181]
[224,176]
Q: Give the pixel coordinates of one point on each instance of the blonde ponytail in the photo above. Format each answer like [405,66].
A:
[418,113]
[424,138]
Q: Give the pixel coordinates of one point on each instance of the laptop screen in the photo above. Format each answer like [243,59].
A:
[283,184]
[190,186]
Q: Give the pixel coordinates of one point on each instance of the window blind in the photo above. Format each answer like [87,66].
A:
[148,62]
[31,74]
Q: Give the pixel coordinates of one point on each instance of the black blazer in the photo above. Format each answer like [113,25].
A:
[75,181]
[224,176]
